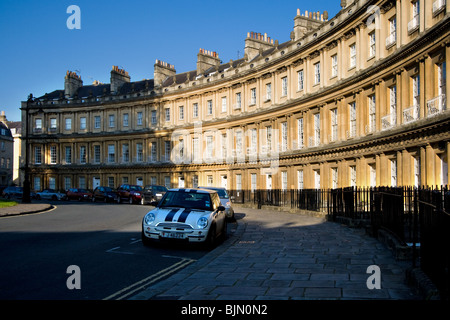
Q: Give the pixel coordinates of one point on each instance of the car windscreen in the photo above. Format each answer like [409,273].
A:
[222,194]
[189,200]
[135,188]
[159,189]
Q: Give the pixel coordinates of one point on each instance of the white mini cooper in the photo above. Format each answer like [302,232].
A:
[190,215]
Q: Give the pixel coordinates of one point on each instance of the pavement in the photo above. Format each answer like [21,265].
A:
[275,255]
[25,208]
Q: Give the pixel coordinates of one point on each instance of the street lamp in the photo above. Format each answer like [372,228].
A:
[26,197]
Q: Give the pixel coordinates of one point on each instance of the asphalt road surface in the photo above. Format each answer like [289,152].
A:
[83,251]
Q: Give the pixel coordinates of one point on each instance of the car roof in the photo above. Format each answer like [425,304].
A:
[192,190]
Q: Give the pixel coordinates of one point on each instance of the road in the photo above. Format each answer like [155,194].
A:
[102,240]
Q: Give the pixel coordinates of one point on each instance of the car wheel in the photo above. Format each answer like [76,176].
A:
[145,241]
[223,236]
[38,197]
[211,238]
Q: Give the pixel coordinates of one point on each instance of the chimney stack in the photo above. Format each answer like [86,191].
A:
[3,117]
[162,70]
[307,22]
[118,78]
[72,82]
[256,42]
[207,59]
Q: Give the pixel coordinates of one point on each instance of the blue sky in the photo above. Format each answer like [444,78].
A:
[37,48]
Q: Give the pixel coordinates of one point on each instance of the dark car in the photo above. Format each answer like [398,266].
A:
[78,194]
[152,193]
[105,194]
[224,199]
[13,192]
[130,193]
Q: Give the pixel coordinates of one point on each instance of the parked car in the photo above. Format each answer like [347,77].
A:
[224,199]
[130,193]
[105,194]
[190,215]
[78,194]
[12,192]
[152,193]
[50,194]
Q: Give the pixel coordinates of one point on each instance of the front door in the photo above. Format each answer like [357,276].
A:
[223,181]
[180,182]
[269,182]
[95,182]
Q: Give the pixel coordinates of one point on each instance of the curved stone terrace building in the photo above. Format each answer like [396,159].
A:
[358,99]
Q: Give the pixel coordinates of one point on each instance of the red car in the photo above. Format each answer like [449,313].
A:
[78,194]
[130,193]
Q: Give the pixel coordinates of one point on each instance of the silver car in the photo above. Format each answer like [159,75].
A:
[224,199]
[190,215]
[50,194]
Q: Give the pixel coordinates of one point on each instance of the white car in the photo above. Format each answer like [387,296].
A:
[190,215]
[50,194]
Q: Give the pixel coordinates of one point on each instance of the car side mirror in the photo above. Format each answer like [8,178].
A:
[154,203]
[221,208]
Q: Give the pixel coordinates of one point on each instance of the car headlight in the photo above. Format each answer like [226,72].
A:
[202,223]
[149,218]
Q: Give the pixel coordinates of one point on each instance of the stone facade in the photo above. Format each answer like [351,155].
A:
[355,100]
[6,152]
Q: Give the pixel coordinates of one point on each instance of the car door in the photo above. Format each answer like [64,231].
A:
[120,192]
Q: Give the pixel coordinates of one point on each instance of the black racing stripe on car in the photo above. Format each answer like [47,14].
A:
[171,214]
[184,215]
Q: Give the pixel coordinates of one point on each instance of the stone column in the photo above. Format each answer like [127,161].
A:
[377,170]
[429,165]
[428,82]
